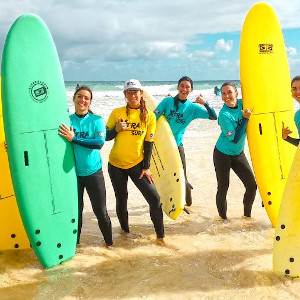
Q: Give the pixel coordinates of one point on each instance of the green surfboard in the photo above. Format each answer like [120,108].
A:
[41,162]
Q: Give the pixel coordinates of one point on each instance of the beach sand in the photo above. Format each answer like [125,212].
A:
[207,259]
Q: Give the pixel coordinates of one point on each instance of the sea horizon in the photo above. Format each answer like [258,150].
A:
[108,95]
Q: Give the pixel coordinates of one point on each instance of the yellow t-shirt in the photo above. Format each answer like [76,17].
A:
[128,149]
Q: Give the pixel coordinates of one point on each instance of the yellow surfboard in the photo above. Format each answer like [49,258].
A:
[265,82]
[12,232]
[286,252]
[166,165]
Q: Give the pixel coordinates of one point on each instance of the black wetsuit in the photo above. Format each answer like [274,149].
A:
[130,154]
[179,113]
[239,164]
[188,186]
[95,187]
[87,142]
[119,180]
[229,154]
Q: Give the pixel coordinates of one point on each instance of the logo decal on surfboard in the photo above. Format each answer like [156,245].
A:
[38,91]
[265,48]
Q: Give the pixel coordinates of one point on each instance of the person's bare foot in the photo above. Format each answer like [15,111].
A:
[220,219]
[161,242]
[246,218]
[110,247]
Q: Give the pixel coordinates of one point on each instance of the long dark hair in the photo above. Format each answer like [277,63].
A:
[296,78]
[83,88]
[229,83]
[184,78]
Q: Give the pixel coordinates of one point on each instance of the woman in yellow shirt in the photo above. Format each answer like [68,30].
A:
[133,128]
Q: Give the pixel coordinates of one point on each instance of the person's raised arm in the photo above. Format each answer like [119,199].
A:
[212,114]
[285,135]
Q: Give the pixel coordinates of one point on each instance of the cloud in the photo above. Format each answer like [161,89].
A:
[93,31]
[122,51]
[223,45]
[224,63]
[148,51]
[294,64]
[291,51]
[201,55]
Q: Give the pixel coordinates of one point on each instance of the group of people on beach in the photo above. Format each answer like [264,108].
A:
[133,128]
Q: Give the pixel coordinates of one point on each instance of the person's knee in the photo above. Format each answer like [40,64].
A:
[121,199]
[121,207]
[223,187]
[101,212]
[251,186]
[155,203]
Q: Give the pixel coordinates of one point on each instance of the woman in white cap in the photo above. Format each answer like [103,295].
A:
[133,127]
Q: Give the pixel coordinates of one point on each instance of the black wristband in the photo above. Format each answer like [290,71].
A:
[147,154]
[292,141]
[110,134]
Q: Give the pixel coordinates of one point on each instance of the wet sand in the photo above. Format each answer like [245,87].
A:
[207,259]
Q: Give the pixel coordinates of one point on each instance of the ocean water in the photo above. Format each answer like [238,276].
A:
[108,95]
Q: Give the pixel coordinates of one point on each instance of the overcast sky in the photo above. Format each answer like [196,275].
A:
[150,39]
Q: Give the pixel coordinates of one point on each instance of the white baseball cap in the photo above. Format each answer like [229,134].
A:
[132,84]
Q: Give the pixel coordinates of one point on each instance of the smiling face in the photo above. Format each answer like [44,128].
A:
[229,95]
[296,90]
[133,98]
[184,89]
[82,101]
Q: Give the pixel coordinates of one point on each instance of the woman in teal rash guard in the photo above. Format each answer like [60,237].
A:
[180,112]
[87,135]
[295,86]
[229,150]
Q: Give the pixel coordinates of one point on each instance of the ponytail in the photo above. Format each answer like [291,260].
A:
[143,110]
